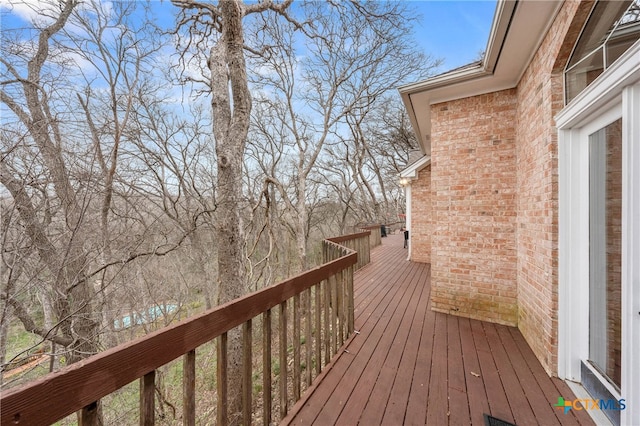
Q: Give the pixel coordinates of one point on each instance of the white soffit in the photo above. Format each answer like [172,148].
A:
[517,30]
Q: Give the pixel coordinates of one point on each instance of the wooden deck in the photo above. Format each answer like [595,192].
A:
[410,365]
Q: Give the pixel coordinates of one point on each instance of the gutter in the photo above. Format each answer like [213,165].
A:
[485,68]
[518,28]
[499,28]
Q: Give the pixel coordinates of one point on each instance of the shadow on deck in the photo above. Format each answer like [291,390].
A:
[410,365]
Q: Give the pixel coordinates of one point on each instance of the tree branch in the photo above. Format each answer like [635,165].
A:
[30,326]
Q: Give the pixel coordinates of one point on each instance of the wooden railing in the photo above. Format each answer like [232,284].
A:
[360,242]
[305,318]
[375,236]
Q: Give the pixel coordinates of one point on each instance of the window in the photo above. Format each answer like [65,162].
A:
[611,29]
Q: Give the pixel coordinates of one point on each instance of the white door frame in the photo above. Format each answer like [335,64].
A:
[614,94]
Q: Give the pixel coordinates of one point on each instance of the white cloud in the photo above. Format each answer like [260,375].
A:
[40,12]
[30,10]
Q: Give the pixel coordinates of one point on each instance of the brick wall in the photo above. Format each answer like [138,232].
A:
[494,197]
[473,183]
[540,98]
[421,226]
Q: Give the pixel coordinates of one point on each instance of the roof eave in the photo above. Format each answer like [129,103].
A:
[515,21]
[411,172]
[499,27]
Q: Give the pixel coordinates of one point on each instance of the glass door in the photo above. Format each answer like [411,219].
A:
[601,372]
[605,250]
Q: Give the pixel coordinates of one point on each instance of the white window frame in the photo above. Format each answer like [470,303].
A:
[614,94]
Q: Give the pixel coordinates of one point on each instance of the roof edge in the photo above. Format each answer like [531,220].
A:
[411,171]
[518,29]
[499,28]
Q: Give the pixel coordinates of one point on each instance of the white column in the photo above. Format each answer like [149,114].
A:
[573,253]
[407,194]
[631,255]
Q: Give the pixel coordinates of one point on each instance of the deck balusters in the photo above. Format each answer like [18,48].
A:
[322,320]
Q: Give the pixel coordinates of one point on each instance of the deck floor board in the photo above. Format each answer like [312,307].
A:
[378,400]
[398,399]
[476,393]
[411,365]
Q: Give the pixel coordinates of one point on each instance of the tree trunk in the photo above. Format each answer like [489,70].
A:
[4,329]
[302,223]
[230,127]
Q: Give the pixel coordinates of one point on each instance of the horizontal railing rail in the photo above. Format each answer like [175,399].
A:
[310,316]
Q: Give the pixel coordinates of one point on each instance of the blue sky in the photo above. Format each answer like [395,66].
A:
[455,31]
[452,30]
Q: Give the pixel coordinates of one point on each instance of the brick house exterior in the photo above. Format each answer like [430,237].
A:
[422,223]
[484,208]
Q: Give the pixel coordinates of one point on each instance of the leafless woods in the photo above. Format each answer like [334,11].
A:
[162,158]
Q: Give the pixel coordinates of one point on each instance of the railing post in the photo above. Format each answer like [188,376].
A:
[90,415]
[350,298]
[367,250]
[247,385]
[341,316]
[222,379]
[327,320]
[318,326]
[147,399]
[309,337]
[284,398]
[296,347]
[189,389]
[266,368]
[335,309]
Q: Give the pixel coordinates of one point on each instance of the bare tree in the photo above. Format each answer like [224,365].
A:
[374,151]
[76,326]
[176,150]
[119,52]
[357,53]
[219,28]
[78,212]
